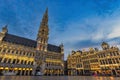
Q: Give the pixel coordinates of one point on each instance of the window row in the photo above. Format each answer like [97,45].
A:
[52,64]
[16,52]
[109,54]
[109,61]
[16,61]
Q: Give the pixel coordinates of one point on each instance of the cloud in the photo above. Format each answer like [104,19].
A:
[88,32]
[115,32]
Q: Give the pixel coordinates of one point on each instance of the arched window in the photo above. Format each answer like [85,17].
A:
[14,61]
[117,60]
[21,61]
[43,32]
[5,60]
[9,60]
[17,61]
[29,63]
[23,53]
[0,49]
[25,62]
[8,51]
[12,51]
[0,59]
[33,55]
[20,52]
[16,51]
[4,50]
[27,53]
[32,63]
[30,54]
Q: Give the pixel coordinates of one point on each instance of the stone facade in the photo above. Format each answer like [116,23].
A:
[28,57]
[94,61]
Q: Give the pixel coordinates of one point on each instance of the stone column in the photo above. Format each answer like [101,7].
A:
[19,62]
[16,61]
[2,60]
[20,72]
[7,60]
[28,72]
[11,61]
[24,72]
[1,50]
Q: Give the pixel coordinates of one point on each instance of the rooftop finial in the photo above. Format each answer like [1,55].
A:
[4,29]
[45,18]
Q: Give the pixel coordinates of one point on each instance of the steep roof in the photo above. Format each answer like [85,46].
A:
[19,40]
[28,42]
[53,48]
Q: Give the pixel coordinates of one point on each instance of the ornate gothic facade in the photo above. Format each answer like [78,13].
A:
[29,57]
[94,61]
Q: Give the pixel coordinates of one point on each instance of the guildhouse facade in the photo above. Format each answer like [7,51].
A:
[95,62]
[22,56]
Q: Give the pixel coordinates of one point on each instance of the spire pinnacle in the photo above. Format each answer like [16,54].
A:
[45,18]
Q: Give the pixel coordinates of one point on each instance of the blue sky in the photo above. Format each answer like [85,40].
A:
[78,24]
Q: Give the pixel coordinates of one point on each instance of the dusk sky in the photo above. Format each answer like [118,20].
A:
[78,24]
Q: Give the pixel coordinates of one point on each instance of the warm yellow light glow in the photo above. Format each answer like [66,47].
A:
[53,60]
[1,68]
[23,68]
[15,68]
[20,68]
[6,68]
[27,69]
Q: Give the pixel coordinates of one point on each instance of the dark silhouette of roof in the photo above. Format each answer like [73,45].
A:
[28,42]
[53,48]
[19,40]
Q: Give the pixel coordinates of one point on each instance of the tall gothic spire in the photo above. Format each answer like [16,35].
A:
[42,37]
[44,24]
[45,19]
